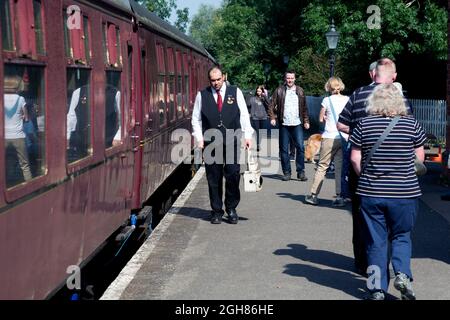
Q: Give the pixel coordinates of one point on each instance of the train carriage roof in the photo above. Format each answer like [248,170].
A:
[123,5]
[152,21]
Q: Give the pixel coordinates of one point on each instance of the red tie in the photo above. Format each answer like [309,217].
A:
[219,101]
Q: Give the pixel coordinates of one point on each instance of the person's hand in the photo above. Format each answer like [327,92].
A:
[273,122]
[306,126]
[248,143]
[201,144]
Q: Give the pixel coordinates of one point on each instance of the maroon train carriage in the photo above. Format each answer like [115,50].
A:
[92,91]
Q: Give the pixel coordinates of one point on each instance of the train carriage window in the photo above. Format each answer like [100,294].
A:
[24,134]
[161,104]
[113,62]
[85,37]
[77,41]
[78,114]
[37,10]
[113,119]
[186,84]
[111,45]
[6,23]
[21,23]
[179,86]
[171,69]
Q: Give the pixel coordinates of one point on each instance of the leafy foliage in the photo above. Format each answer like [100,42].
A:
[164,8]
[248,35]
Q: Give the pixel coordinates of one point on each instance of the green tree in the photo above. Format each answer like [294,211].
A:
[164,9]
[246,35]
[201,26]
[182,19]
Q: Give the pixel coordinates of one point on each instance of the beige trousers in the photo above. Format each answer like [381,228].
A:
[329,149]
[22,155]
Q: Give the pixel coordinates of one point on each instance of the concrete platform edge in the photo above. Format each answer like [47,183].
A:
[116,289]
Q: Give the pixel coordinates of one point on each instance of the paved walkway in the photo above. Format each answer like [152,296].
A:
[280,249]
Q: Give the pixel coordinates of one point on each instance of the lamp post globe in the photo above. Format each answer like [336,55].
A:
[332,37]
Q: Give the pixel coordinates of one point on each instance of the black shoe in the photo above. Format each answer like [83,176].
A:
[216,217]
[301,176]
[375,295]
[232,216]
[286,177]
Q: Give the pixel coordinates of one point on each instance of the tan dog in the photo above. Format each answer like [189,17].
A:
[312,147]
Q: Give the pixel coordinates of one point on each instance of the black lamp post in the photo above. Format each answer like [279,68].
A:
[332,40]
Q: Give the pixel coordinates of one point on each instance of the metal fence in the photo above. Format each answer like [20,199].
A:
[431,114]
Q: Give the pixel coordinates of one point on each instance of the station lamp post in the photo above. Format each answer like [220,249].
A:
[332,40]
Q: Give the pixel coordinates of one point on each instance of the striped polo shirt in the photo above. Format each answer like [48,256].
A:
[355,109]
[390,172]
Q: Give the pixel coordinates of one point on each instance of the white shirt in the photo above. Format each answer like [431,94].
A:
[14,112]
[71,115]
[118,135]
[339,102]
[246,127]
[291,115]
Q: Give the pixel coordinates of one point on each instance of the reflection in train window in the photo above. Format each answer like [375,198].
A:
[186,95]
[24,123]
[179,86]
[113,127]
[78,114]
[5,20]
[37,10]
[161,105]
[171,70]
[161,94]
[172,97]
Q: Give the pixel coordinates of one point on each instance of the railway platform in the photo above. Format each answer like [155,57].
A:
[281,248]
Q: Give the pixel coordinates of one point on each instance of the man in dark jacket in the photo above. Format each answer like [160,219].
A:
[289,107]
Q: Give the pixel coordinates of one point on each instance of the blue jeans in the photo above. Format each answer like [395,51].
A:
[346,148]
[296,133]
[389,220]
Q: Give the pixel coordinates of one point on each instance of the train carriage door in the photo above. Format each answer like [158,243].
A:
[135,124]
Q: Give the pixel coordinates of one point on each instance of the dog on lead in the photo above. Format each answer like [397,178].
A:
[312,147]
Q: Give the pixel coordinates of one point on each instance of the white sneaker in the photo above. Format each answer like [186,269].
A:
[403,284]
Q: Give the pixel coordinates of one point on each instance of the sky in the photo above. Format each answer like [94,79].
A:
[193,6]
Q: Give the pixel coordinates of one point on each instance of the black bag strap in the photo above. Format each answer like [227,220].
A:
[380,141]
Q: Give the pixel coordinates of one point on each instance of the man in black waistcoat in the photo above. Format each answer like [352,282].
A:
[220,114]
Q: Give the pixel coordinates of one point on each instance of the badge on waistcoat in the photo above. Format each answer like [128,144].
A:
[230,99]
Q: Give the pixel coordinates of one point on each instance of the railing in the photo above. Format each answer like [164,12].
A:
[431,114]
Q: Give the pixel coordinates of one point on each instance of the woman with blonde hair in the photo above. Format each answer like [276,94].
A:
[388,186]
[332,141]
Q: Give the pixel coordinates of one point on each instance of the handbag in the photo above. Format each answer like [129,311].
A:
[252,176]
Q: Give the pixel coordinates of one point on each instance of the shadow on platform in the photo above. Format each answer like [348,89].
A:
[345,280]
[431,235]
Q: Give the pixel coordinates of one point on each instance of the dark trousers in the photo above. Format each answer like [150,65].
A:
[296,133]
[389,221]
[359,250]
[215,173]
[258,125]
